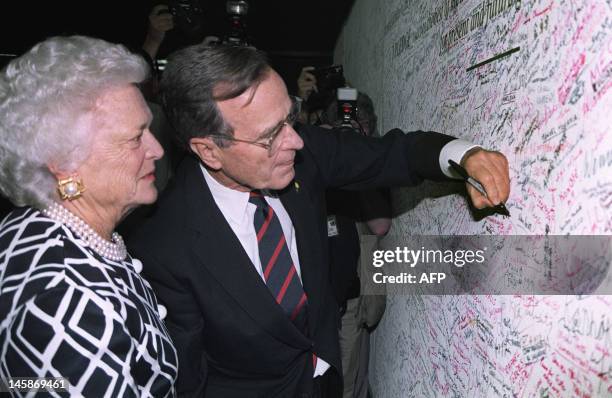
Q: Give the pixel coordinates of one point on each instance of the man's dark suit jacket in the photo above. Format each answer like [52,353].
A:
[232,338]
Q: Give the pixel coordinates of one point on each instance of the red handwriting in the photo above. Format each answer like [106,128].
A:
[564,90]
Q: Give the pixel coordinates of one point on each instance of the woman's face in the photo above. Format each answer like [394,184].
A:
[119,172]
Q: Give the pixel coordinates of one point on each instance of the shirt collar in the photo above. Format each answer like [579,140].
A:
[233,204]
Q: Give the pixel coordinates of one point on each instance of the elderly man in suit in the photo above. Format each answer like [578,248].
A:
[237,250]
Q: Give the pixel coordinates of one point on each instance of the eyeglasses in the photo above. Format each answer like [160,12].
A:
[271,142]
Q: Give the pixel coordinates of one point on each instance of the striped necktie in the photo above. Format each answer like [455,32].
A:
[279,272]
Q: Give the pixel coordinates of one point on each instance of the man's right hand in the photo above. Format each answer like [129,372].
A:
[491,170]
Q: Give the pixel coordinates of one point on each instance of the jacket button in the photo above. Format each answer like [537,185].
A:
[162,311]
[137,264]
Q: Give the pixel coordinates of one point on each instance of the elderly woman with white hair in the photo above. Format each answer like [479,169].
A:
[76,155]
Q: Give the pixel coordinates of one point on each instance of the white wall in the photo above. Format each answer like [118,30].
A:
[548,107]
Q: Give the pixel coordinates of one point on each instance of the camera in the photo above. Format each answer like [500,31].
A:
[329,79]
[352,110]
[237,11]
[347,106]
[188,16]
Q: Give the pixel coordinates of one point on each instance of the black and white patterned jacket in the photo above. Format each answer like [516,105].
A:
[67,312]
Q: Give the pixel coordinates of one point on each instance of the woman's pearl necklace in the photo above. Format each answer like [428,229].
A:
[114,250]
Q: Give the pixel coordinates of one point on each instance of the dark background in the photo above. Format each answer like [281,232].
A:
[293,33]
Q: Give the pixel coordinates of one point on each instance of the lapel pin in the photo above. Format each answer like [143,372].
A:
[297,186]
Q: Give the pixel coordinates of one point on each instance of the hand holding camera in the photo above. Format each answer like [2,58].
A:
[187,15]
[160,21]
[307,82]
[326,80]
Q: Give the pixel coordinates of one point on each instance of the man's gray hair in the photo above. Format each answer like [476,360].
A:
[196,77]
[46,96]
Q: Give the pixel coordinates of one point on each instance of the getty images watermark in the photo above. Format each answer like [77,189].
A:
[411,258]
[490,265]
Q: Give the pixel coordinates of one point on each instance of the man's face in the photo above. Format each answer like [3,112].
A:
[256,116]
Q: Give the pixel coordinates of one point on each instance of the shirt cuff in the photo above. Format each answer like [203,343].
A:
[320,368]
[454,150]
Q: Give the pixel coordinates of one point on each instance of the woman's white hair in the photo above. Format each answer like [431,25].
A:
[46,97]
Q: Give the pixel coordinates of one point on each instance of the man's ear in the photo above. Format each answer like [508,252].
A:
[207,150]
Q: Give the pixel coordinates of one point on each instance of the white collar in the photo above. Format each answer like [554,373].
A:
[232,203]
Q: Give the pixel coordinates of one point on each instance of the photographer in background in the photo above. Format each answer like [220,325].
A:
[316,90]
[307,84]
[355,221]
[160,22]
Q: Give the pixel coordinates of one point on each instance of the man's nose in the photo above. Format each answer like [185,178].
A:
[293,140]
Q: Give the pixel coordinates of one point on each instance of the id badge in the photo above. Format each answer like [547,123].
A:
[332,226]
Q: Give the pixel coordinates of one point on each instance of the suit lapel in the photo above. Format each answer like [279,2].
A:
[220,251]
